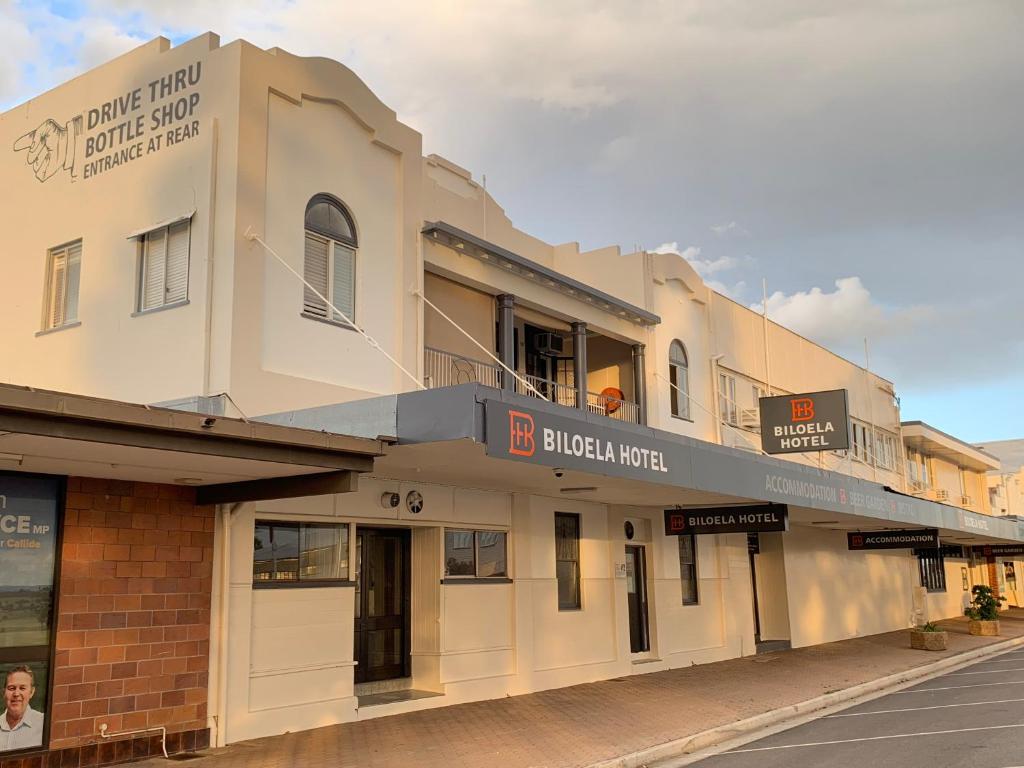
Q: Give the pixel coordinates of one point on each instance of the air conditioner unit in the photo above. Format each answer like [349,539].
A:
[966,501]
[550,344]
[916,487]
[750,417]
[941,494]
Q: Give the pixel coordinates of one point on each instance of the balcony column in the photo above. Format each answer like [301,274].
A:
[506,304]
[579,363]
[640,383]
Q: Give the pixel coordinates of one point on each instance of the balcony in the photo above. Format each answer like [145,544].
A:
[444,369]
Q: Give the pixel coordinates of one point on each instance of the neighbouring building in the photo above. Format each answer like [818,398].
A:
[568,479]
[1005,483]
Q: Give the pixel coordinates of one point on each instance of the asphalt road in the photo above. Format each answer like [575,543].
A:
[971,717]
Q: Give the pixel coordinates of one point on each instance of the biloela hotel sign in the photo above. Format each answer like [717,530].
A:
[818,421]
[524,441]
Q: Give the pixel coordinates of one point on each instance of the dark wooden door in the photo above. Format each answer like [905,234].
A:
[636,597]
[382,604]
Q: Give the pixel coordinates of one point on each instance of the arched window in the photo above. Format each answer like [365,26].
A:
[330,260]
[679,375]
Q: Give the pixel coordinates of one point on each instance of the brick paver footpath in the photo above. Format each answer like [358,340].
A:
[585,724]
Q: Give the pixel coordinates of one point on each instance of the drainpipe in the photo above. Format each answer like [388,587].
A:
[579,363]
[640,383]
[506,338]
[227,513]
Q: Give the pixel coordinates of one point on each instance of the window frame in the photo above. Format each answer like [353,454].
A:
[727,405]
[679,395]
[332,240]
[142,260]
[931,568]
[577,604]
[693,566]
[49,285]
[476,578]
[299,582]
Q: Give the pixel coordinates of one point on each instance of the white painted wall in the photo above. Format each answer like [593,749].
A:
[835,594]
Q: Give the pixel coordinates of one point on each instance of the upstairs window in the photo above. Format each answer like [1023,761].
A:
[163,274]
[330,261]
[679,376]
[727,410]
[63,269]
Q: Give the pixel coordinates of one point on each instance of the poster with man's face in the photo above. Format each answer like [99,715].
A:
[28,549]
[21,724]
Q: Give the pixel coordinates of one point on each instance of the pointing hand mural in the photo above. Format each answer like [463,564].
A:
[51,147]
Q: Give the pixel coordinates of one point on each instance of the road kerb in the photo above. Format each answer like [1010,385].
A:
[752,727]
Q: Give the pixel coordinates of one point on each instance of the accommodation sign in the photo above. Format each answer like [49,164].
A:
[117,129]
[538,437]
[751,518]
[914,538]
[816,421]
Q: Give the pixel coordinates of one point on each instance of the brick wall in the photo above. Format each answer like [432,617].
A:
[134,611]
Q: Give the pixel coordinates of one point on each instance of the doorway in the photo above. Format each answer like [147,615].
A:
[636,598]
[382,604]
[768,589]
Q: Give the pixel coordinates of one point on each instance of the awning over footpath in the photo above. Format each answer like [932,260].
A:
[528,431]
[226,459]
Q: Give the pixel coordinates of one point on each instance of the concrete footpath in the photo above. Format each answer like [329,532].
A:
[629,721]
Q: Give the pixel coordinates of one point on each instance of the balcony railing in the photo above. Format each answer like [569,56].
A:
[443,369]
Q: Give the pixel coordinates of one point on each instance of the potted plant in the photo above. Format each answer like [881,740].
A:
[928,637]
[983,611]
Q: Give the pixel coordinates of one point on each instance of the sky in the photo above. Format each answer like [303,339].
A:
[864,161]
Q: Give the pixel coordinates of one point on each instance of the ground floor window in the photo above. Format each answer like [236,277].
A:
[299,554]
[476,554]
[932,565]
[567,560]
[29,519]
[688,568]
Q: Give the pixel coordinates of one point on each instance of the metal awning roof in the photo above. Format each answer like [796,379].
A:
[471,245]
[462,434]
[227,459]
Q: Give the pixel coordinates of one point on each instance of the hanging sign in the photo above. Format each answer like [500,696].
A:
[914,538]
[751,518]
[816,421]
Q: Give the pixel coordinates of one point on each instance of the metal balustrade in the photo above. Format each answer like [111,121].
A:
[444,369]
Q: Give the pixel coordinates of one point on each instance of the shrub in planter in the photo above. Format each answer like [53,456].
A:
[983,611]
[928,637]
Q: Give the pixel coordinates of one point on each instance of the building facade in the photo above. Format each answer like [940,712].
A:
[238,231]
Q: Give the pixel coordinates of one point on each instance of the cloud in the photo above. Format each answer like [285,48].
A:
[19,49]
[731,228]
[842,318]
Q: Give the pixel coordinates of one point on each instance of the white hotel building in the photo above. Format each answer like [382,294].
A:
[157,214]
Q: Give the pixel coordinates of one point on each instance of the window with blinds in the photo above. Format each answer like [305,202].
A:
[163,276]
[63,269]
[329,261]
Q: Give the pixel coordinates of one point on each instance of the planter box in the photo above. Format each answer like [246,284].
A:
[928,641]
[983,628]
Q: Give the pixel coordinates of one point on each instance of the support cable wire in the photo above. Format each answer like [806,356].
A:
[464,332]
[250,235]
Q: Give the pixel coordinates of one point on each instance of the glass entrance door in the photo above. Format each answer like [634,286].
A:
[636,597]
[382,604]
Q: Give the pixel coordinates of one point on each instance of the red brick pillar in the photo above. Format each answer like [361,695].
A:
[134,616]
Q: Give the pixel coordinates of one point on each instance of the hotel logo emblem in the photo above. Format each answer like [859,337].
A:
[521,441]
[802,408]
